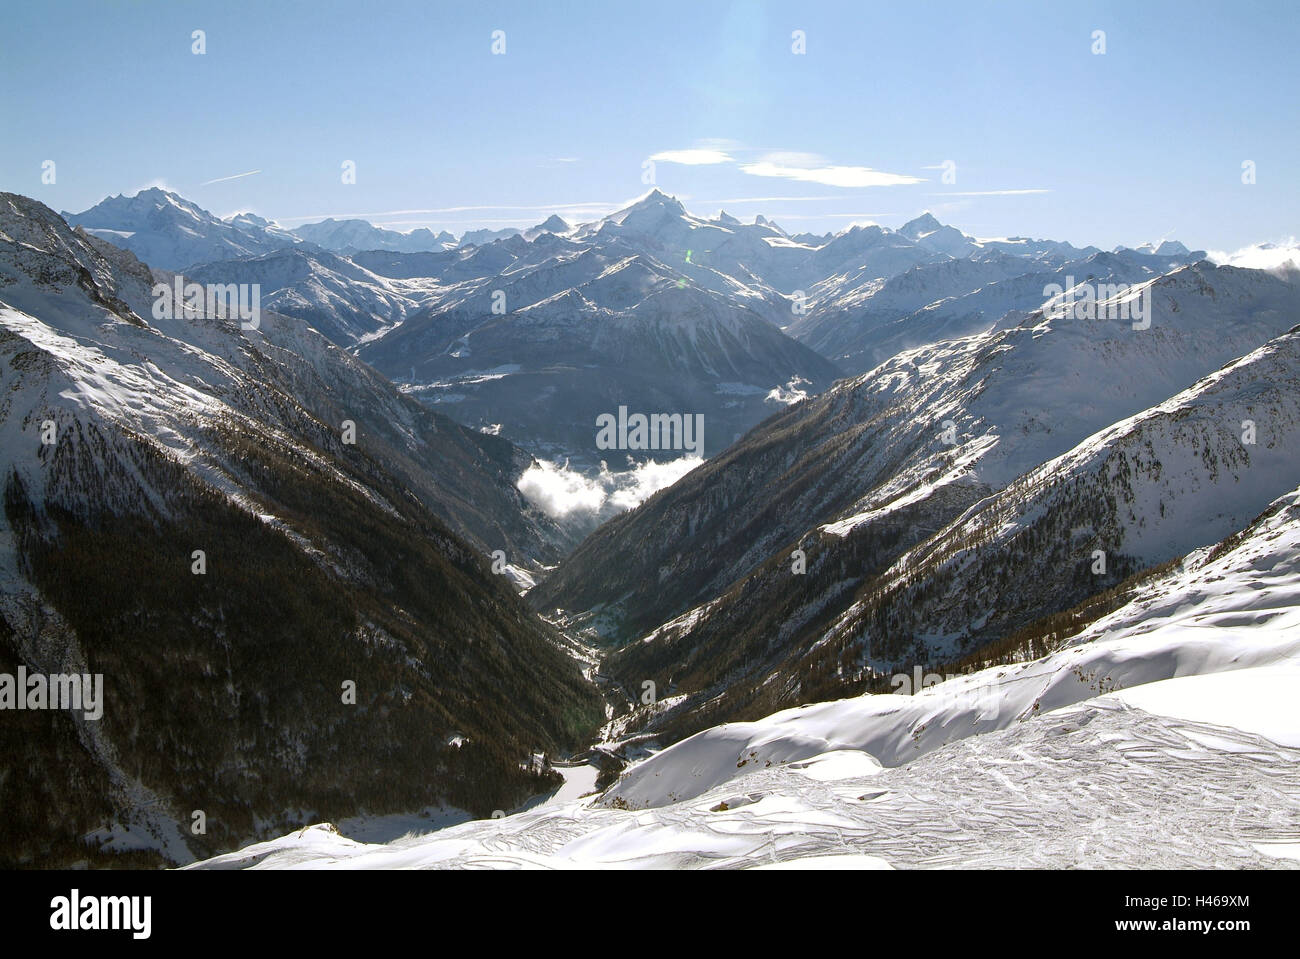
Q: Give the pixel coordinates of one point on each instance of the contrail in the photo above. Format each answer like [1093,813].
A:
[222,179]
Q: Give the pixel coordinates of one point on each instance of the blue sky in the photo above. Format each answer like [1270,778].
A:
[1145,141]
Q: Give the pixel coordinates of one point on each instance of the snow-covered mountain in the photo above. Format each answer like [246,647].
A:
[278,563]
[466,477]
[340,299]
[1167,248]
[927,231]
[538,334]
[1013,484]
[168,231]
[1160,737]
[554,224]
[933,235]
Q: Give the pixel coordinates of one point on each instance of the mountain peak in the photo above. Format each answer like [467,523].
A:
[763,221]
[656,198]
[922,225]
[250,218]
[148,193]
[651,213]
[160,197]
[1172,248]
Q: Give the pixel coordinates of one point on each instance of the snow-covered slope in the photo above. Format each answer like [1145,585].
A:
[1150,487]
[1163,736]
[1233,606]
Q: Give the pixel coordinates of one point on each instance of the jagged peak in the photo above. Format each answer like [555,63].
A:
[656,198]
[921,225]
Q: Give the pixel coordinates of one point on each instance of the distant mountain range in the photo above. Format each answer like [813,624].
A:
[537,333]
[168,231]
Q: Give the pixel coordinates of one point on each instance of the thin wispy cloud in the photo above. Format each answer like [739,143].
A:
[223,179]
[782,199]
[694,157]
[841,176]
[989,193]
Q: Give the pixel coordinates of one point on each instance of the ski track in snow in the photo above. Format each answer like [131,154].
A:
[1097,785]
